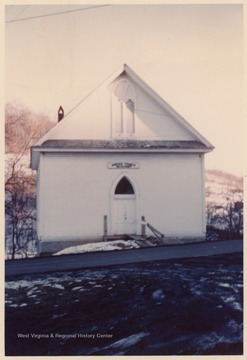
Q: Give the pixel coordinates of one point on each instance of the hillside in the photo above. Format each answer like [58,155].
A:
[224,205]
[222,187]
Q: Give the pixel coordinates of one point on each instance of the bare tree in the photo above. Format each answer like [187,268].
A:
[20,212]
[234,218]
[22,129]
[225,214]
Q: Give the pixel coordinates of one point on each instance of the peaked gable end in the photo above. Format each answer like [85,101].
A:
[124,108]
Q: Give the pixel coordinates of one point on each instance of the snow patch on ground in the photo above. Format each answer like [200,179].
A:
[127,342]
[77,288]
[158,295]
[100,246]
[226,285]
[15,285]
[57,286]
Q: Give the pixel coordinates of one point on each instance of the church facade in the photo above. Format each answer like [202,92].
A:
[122,159]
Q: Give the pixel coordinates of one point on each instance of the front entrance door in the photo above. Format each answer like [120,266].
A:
[124,208]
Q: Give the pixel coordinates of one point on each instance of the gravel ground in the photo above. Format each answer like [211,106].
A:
[172,307]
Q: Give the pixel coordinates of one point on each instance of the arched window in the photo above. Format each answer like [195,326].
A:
[124,187]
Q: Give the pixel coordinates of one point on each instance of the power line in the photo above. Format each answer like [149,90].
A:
[19,13]
[54,14]
[91,92]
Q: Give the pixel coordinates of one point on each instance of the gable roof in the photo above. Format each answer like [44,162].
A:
[202,144]
[125,69]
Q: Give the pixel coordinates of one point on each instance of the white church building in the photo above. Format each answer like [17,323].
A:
[122,159]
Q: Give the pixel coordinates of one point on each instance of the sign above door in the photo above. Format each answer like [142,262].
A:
[123,165]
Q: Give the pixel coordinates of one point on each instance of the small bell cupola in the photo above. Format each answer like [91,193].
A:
[60,113]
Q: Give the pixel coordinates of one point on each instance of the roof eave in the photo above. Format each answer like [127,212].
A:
[43,149]
[37,150]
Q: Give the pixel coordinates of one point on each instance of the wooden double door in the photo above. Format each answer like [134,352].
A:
[124,208]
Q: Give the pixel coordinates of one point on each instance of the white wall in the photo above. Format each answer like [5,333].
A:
[75,193]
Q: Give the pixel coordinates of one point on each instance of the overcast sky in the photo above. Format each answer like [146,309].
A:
[191,55]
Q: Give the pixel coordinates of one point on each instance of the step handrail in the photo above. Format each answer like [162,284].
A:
[156,232]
